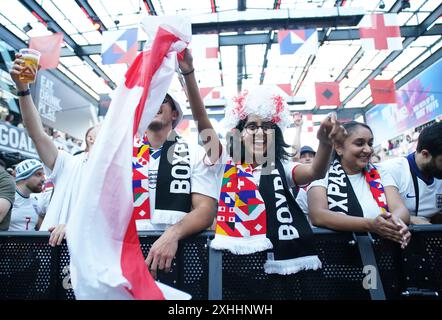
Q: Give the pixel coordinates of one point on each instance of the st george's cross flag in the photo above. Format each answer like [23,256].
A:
[106,258]
[119,46]
[303,41]
[380,32]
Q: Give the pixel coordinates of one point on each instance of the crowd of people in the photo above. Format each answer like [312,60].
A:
[255,193]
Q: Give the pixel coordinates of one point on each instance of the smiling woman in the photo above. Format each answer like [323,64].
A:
[352,198]
[256,211]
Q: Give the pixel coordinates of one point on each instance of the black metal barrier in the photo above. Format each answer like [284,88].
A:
[31,269]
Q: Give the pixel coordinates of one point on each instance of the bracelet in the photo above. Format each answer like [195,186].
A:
[23,93]
[187,73]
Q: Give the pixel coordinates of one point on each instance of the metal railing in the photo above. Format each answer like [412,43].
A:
[354,267]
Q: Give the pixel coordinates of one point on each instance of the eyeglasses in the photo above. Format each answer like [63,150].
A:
[252,128]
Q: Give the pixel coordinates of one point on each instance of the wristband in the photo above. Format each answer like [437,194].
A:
[23,93]
[187,73]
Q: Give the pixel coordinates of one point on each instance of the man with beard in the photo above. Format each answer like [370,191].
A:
[418,176]
[173,189]
[29,180]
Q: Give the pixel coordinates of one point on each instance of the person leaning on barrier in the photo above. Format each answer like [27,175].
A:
[7,197]
[256,211]
[352,198]
[66,170]
[417,177]
[26,214]
[174,191]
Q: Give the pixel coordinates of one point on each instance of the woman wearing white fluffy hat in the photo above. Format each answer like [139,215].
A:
[256,211]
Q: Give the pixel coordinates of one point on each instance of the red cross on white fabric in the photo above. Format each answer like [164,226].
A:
[380,32]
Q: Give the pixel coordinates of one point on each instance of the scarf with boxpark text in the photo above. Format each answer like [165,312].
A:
[341,196]
[252,219]
[173,199]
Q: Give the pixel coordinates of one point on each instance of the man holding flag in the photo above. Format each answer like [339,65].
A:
[115,194]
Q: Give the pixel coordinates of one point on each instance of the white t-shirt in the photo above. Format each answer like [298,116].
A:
[301,199]
[362,191]
[396,172]
[24,214]
[201,181]
[67,176]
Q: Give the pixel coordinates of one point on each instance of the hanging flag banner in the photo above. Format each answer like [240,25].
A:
[49,47]
[119,46]
[383,91]
[418,102]
[380,32]
[287,88]
[298,41]
[327,94]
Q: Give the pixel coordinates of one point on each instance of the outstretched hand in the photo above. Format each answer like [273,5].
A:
[297,119]
[331,131]
[18,67]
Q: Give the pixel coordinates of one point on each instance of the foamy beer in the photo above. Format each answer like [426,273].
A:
[31,58]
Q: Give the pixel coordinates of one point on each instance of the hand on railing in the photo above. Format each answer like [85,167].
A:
[58,233]
[162,253]
[392,228]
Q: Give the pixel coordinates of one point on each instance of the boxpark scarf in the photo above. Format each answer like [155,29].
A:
[173,181]
[341,196]
[252,219]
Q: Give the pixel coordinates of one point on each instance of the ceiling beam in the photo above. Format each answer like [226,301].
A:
[263,38]
[241,72]
[149,7]
[280,19]
[91,13]
[422,28]
[31,5]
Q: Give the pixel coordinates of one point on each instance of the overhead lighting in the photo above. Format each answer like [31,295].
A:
[97,25]
[27,28]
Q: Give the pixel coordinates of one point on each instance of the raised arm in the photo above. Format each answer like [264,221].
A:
[329,131]
[46,149]
[208,135]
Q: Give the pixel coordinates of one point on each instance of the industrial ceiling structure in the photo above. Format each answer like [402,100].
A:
[248,42]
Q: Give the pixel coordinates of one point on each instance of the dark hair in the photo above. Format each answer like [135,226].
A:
[431,139]
[350,127]
[280,145]
[169,99]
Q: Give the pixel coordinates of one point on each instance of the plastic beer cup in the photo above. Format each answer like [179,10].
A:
[31,59]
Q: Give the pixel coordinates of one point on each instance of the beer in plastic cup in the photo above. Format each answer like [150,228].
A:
[31,59]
